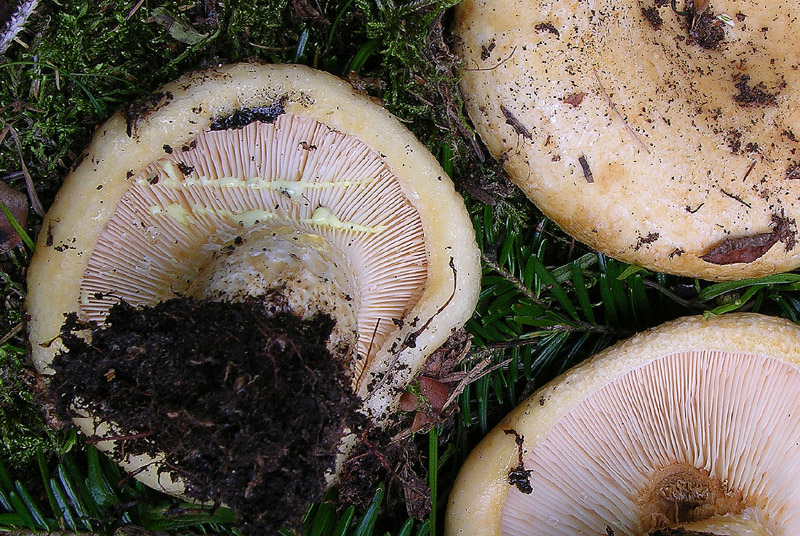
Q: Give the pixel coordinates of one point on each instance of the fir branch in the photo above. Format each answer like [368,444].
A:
[511,278]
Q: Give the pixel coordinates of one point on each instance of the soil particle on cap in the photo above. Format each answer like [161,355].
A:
[547,27]
[645,240]
[249,409]
[486,50]
[145,106]
[793,171]
[242,118]
[185,168]
[519,476]
[756,95]
[587,171]
[707,31]
[652,16]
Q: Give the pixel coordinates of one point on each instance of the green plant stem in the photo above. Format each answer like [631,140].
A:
[433,474]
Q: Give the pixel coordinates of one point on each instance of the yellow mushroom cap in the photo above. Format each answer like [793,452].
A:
[249,178]
[636,139]
[693,424]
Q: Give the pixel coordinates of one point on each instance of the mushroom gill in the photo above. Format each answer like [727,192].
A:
[684,427]
[289,208]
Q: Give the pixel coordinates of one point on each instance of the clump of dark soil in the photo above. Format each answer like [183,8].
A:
[707,31]
[248,409]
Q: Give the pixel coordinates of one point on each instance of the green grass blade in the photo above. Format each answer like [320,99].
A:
[101,491]
[5,501]
[45,472]
[5,481]
[555,288]
[579,283]
[424,530]
[609,304]
[719,289]
[433,474]
[32,507]
[11,520]
[62,506]
[482,393]
[407,527]
[733,305]
[323,520]
[367,525]
[344,522]
[26,239]
[73,494]
[18,507]
[363,54]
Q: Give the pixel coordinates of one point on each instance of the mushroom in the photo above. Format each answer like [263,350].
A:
[662,139]
[254,180]
[692,426]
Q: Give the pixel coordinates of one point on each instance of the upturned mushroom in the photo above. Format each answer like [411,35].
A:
[662,137]
[263,182]
[691,428]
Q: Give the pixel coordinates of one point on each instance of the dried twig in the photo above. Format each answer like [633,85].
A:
[35,202]
[616,111]
[7,337]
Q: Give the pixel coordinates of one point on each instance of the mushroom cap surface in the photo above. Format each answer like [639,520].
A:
[654,425]
[639,134]
[332,146]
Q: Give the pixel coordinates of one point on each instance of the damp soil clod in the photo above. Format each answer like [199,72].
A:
[249,409]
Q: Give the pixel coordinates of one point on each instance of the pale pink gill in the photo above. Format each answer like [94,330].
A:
[144,256]
[734,415]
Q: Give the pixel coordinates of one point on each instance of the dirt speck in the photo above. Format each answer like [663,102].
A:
[752,95]
[652,16]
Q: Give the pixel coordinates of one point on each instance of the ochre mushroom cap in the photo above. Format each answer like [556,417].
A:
[189,195]
[636,139]
[697,417]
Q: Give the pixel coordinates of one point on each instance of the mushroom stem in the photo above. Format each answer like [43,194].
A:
[293,271]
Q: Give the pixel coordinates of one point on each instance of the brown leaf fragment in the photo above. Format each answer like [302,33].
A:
[304,10]
[742,249]
[574,99]
[17,203]
[518,127]
[749,248]
[434,391]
